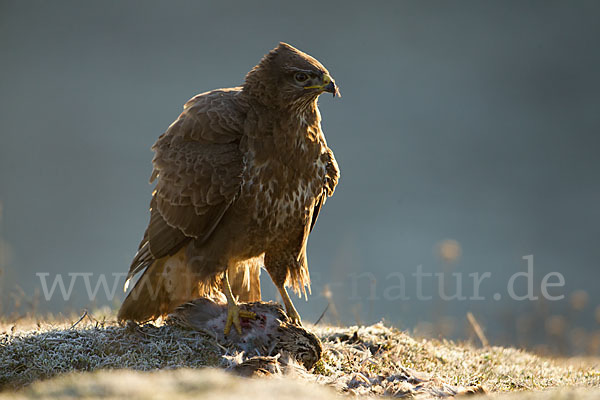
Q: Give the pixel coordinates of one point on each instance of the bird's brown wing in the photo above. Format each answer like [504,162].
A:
[332,175]
[199,167]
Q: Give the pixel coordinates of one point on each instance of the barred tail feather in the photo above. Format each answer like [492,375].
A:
[167,283]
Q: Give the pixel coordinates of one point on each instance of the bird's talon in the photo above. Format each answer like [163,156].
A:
[234,313]
[295,318]
[247,314]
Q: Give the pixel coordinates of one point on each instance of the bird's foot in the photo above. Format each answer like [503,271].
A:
[294,316]
[234,313]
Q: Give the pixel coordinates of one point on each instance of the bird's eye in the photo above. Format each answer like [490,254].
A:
[301,77]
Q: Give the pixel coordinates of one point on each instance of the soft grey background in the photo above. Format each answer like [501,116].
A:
[470,120]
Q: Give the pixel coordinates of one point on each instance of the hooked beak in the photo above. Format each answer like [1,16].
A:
[328,86]
[332,88]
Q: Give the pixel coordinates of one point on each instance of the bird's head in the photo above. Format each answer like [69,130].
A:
[304,346]
[288,77]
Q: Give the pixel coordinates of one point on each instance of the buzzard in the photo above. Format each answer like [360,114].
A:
[241,177]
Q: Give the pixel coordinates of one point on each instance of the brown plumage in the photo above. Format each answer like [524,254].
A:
[241,177]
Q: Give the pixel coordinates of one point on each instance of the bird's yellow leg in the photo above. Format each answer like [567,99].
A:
[289,306]
[233,309]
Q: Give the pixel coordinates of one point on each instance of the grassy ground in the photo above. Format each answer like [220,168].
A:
[365,361]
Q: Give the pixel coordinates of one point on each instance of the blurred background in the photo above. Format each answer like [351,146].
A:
[467,137]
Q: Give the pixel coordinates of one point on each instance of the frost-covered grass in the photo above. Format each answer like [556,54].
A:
[42,352]
[372,360]
[381,351]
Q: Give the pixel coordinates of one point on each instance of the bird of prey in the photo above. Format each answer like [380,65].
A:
[241,177]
